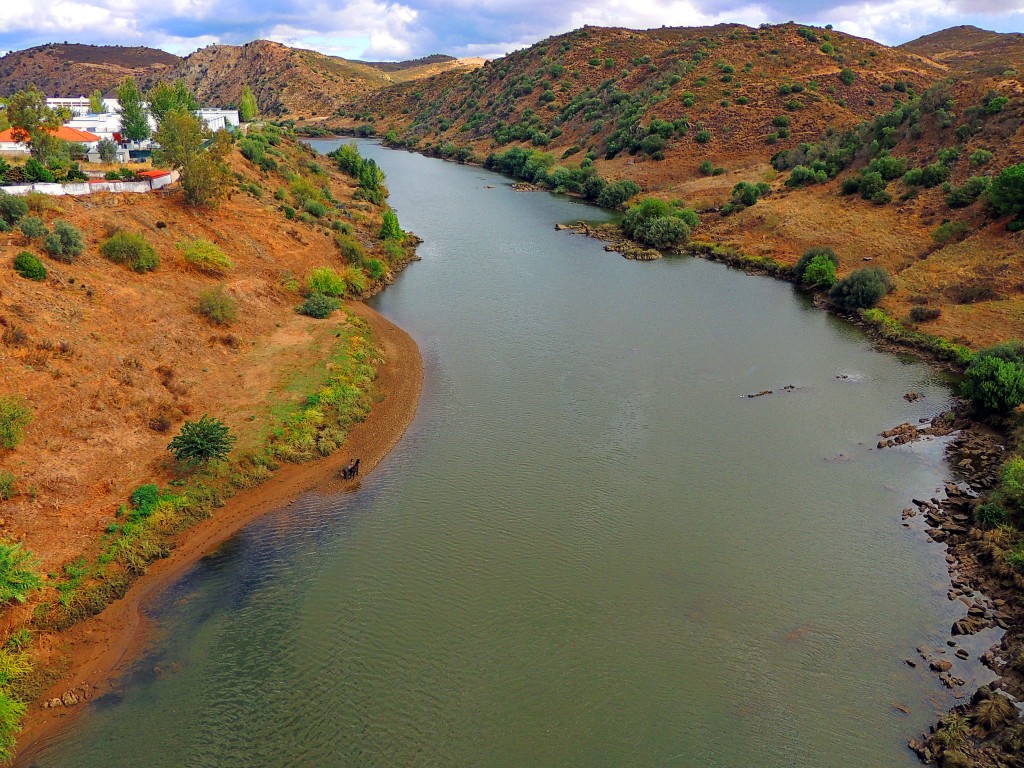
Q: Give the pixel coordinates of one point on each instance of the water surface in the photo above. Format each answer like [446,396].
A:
[591,548]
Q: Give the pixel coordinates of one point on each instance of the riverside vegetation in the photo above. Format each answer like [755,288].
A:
[188,302]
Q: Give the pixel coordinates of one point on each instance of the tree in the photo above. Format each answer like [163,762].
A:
[247,107]
[134,125]
[34,122]
[96,105]
[821,271]
[203,441]
[389,228]
[809,255]
[164,97]
[1006,192]
[181,137]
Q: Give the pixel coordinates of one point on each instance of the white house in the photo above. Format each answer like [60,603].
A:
[80,105]
[217,119]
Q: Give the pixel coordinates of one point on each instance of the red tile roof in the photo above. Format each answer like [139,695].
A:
[64,132]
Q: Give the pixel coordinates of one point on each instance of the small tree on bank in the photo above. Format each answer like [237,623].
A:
[203,441]
[994,381]
[181,137]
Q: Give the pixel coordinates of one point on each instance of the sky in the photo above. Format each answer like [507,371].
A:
[403,29]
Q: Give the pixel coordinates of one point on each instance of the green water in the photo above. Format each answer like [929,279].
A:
[590,549]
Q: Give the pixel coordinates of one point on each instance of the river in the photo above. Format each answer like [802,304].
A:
[591,548]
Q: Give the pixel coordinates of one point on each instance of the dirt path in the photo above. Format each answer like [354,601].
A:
[101,646]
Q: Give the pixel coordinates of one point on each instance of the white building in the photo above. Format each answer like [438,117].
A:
[218,119]
[80,105]
[11,145]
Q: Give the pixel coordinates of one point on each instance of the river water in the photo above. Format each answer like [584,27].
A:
[590,549]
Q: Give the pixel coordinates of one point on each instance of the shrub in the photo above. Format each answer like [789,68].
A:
[205,256]
[861,289]
[65,243]
[616,193]
[14,417]
[315,208]
[990,515]
[375,269]
[980,157]
[707,168]
[821,271]
[28,266]
[949,231]
[326,281]
[18,575]
[810,255]
[217,305]
[7,483]
[1011,486]
[966,194]
[318,306]
[33,228]
[132,249]
[12,208]
[702,136]
[994,384]
[924,314]
[200,442]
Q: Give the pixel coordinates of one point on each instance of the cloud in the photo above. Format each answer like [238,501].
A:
[395,29]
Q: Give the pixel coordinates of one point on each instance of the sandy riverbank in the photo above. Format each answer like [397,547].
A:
[100,647]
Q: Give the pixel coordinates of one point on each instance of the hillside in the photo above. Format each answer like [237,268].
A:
[750,106]
[602,89]
[69,69]
[111,361]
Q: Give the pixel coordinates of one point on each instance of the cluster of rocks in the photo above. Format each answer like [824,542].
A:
[763,392]
[616,243]
[70,698]
[909,433]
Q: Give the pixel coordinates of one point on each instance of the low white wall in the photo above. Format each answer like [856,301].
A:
[84,188]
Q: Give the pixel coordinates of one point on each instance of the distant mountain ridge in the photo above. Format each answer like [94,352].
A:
[285,80]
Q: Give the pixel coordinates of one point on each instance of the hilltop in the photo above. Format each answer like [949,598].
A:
[70,69]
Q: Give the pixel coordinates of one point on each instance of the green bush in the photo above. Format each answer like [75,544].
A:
[318,306]
[132,249]
[217,305]
[994,383]
[861,289]
[702,136]
[990,515]
[707,168]
[971,190]
[14,417]
[375,269]
[28,266]
[315,208]
[616,193]
[326,281]
[33,228]
[205,256]
[18,574]
[821,272]
[810,255]
[949,231]
[980,157]
[65,243]
[12,208]
[200,442]
[7,485]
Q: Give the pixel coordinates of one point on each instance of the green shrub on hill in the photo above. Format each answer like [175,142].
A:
[28,266]
[861,289]
[994,381]
[132,250]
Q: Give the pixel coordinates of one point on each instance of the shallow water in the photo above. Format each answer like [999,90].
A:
[590,549]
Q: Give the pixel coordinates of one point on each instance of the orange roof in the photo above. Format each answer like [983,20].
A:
[154,174]
[64,132]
